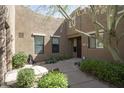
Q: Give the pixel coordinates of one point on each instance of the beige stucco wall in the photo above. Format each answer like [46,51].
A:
[10,36]
[28,22]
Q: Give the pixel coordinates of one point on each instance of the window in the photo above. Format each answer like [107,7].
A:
[99,44]
[55,44]
[94,43]
[39,44]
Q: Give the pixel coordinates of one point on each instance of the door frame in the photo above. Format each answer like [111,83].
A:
[79,47]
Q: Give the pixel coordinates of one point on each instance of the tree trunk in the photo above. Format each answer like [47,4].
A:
[2,44]
[115,54]
[111,46]
[2,55]
[8,49]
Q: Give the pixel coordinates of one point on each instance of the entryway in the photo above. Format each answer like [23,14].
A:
[76,46]
[79,47]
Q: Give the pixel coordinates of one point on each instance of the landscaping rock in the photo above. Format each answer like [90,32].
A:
[11,76]
[39,70]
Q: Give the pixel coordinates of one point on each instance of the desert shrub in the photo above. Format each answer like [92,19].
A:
[56,58]
[111,72]
[51,60]
[63,57]
[25,78]
[19,60]
[53,79]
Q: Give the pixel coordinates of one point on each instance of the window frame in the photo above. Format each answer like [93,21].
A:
[102,34]
[42,45]
[96,40]
[89,44]
[55,44]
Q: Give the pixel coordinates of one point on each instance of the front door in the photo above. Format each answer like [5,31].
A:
[79,47]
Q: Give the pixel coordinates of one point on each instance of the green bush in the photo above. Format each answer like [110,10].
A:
[52,59]
[56,58]
[19,60]
[53,80]
[111,72]
[25,78]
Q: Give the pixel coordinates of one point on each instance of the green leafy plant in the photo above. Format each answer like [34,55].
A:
[19,60]
[56,58]
[25,78]
[53,79]
[111,72]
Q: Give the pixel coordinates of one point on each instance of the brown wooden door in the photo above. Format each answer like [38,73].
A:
[79,47]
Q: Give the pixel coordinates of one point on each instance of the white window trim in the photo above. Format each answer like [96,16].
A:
[54,36]
[34,44]
[38,34]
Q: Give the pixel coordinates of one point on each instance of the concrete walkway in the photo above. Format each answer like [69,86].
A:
[77,79]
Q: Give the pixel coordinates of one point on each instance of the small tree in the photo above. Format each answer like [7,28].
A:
[111,35]
[2,42]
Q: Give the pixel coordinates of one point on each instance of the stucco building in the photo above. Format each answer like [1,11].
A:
[85,47]
[41,37]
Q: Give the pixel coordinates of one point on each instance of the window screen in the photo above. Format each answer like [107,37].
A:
[55,44]
[39,44]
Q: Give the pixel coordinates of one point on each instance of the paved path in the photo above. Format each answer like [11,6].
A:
[77,79]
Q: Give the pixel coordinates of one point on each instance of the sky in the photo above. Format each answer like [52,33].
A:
[48,10]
